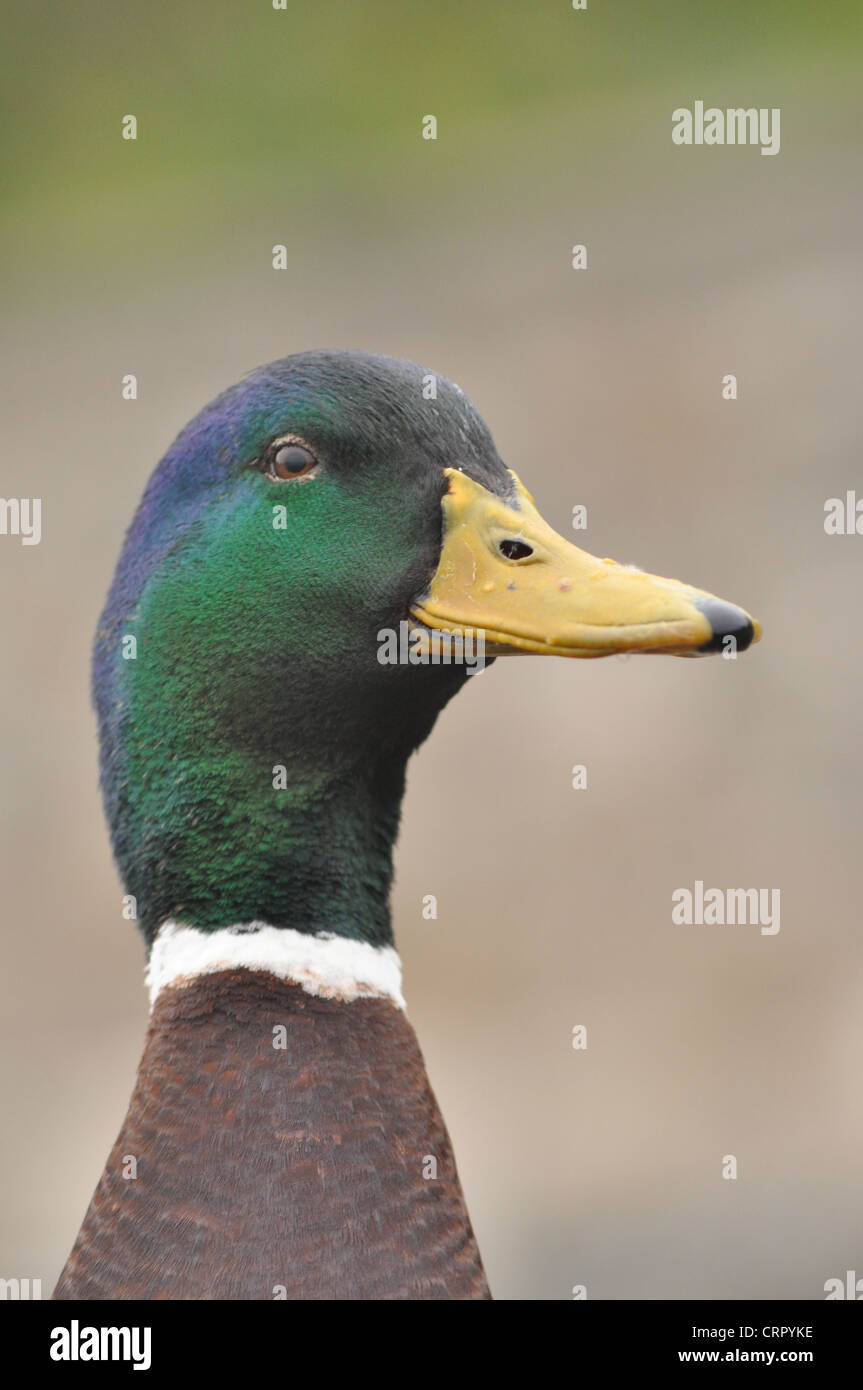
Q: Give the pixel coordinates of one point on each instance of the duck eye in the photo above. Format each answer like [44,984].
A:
[289,461]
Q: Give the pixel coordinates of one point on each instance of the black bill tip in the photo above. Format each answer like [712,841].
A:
[726,622]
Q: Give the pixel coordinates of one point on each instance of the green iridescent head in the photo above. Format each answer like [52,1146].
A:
[253,744]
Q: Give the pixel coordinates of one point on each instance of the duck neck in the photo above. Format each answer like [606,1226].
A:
[254,835]
[264,807]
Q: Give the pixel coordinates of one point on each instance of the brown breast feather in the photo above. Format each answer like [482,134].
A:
[260,1167]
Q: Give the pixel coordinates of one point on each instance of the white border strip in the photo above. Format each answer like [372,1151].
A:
[330,966]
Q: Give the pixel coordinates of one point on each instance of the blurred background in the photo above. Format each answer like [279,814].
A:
[602,388]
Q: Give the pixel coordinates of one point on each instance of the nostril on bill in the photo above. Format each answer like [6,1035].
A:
[726,621]
[515,550]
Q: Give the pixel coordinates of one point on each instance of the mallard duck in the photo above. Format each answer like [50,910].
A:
[282,1140]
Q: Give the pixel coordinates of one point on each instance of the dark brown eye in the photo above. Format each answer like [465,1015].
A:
[288,461]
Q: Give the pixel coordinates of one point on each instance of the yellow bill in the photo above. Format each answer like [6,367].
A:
[505,572]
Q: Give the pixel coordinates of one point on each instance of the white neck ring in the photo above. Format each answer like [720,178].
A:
[326,965]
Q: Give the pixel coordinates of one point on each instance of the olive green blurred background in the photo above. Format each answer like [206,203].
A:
[602,387]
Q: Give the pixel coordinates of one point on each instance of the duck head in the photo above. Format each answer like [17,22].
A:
[253,739]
